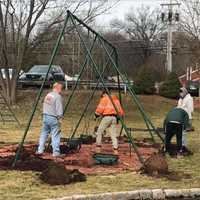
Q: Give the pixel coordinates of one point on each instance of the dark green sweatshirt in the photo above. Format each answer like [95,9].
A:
[178,115]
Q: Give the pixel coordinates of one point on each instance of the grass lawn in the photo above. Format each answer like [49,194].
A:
[27,185]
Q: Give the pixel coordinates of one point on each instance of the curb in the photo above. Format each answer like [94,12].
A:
[146,194]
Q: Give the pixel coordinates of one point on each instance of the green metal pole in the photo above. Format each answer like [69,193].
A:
[79,76]
[119,88]
[88,103]
[118,77]
[147,121]
[95,67]
[144,115]
[90,29]
[115,64]
[39,93]
[135,98]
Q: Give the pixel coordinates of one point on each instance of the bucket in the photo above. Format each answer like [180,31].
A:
[87,139]
[72,145]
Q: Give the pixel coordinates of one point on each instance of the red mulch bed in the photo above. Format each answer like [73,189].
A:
[81,160]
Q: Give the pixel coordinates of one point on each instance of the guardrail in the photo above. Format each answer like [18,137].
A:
[92,84]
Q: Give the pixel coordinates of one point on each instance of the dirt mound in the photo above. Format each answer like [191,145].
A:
[34,164]
[156,164]
[5,163]
[56,174]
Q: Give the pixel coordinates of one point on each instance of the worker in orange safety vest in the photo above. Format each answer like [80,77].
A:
[110,117]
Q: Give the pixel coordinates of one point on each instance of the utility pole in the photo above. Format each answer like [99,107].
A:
[169,41]
[171,18]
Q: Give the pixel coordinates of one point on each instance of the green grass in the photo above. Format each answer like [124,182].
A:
[27,185]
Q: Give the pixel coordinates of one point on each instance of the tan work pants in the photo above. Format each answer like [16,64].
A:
[106,122]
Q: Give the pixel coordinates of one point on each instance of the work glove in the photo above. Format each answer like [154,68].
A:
[118,119]
[95,116]
[95,129]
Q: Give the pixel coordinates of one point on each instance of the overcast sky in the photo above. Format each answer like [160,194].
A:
[119,10]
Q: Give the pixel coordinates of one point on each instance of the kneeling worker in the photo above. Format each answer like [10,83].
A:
[52,116]
[109,115]
[176,122]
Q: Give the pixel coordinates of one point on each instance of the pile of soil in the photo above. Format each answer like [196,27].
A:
[53,173]
[156,164]
[27,161]
[56,174]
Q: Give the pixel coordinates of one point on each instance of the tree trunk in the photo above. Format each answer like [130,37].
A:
[9,87]
[14,89]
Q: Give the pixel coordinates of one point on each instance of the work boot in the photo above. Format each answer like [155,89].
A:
[98,149]
[59,155]
[186,151]
[37,153]
[171,153]
[95,131]
[115,152]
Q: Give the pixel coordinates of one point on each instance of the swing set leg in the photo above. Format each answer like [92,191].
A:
[120,134]
[130,148]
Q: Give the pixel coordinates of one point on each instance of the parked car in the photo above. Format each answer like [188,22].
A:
[35,76]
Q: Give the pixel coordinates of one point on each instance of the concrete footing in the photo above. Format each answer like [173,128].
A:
[147,194]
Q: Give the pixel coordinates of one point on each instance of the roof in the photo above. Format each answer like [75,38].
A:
[195,76]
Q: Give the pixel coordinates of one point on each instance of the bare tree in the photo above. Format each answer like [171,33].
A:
[190,25]
[143,28]
[20,21]
[190,18]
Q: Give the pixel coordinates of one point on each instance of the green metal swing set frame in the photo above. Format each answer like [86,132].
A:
[112,56]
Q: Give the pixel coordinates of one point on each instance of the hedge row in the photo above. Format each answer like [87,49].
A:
[145,84]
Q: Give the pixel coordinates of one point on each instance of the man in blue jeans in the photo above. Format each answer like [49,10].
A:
[52,116]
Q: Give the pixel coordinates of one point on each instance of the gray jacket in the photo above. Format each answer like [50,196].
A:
[53,105]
